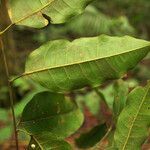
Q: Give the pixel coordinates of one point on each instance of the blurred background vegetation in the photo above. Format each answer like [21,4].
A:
[112,17]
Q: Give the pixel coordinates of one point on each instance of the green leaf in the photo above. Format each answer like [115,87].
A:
[92,137]
[91,100]
[120,96]
[99,23]
[47,143]
[52,114]
[108,94]
[62,66]
[134,120]
[34,13]
[18,108]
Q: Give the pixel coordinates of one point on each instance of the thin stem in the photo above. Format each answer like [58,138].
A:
[7,28]
[14,79]
[10,92]
[98,145]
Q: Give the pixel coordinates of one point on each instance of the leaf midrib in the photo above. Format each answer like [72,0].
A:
[40,144]
[76,63]
[38,10]
[136,116]
[39,119]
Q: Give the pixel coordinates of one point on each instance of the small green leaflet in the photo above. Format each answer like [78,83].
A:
[134,121]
